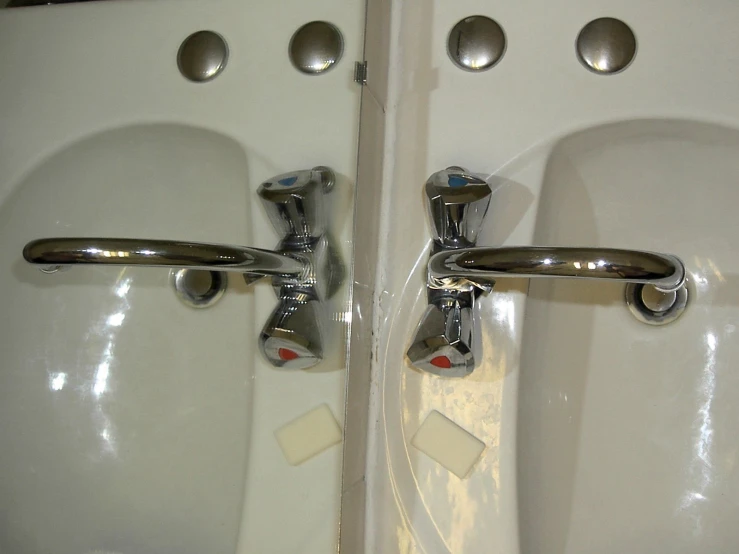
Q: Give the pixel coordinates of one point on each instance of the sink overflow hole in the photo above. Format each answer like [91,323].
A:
[653,306]
[199,288]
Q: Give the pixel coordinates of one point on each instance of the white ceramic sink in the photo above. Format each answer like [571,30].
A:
[626,432]
[602,433]
[119,402]
[132,423]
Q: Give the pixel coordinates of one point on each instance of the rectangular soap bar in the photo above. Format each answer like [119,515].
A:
[446,442]
[308,435]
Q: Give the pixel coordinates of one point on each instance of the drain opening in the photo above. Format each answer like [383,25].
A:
[198,288]
[653,306]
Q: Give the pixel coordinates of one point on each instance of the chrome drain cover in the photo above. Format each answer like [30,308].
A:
[653,306]
[198,288]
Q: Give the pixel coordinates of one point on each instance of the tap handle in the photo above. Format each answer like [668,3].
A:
[442,344]
[457,202]
[295,203]
[292,337]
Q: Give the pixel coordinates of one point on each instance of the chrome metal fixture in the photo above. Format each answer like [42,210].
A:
[202,56]
[197,288]
[458,272]
[304,269]
[606,46]
[53,253]
[479,267]
[457,203]
[653,306]
[316,47]
[476,43]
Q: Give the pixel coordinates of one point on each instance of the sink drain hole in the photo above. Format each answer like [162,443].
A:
[653,306]
[198,288]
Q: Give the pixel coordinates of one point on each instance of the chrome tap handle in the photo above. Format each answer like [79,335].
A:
[294,203]
[292,337]
[442,344]
[457,203]
[296,206]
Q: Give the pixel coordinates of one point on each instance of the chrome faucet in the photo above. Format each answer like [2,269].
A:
[305,268]
[458,272]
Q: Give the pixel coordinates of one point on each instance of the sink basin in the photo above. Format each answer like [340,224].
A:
[602,433]
[126,413]
[626,435]
[133,423]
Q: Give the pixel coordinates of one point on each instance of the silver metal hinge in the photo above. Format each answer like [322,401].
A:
[360,72]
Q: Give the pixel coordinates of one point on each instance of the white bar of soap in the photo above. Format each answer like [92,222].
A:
[308,435]
[447,443]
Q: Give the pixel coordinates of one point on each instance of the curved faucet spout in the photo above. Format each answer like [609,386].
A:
[165,253]
[457,269]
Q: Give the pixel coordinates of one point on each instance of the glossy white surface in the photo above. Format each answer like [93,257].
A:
[107,408]
[623,430]
[131,423]
[626,432]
